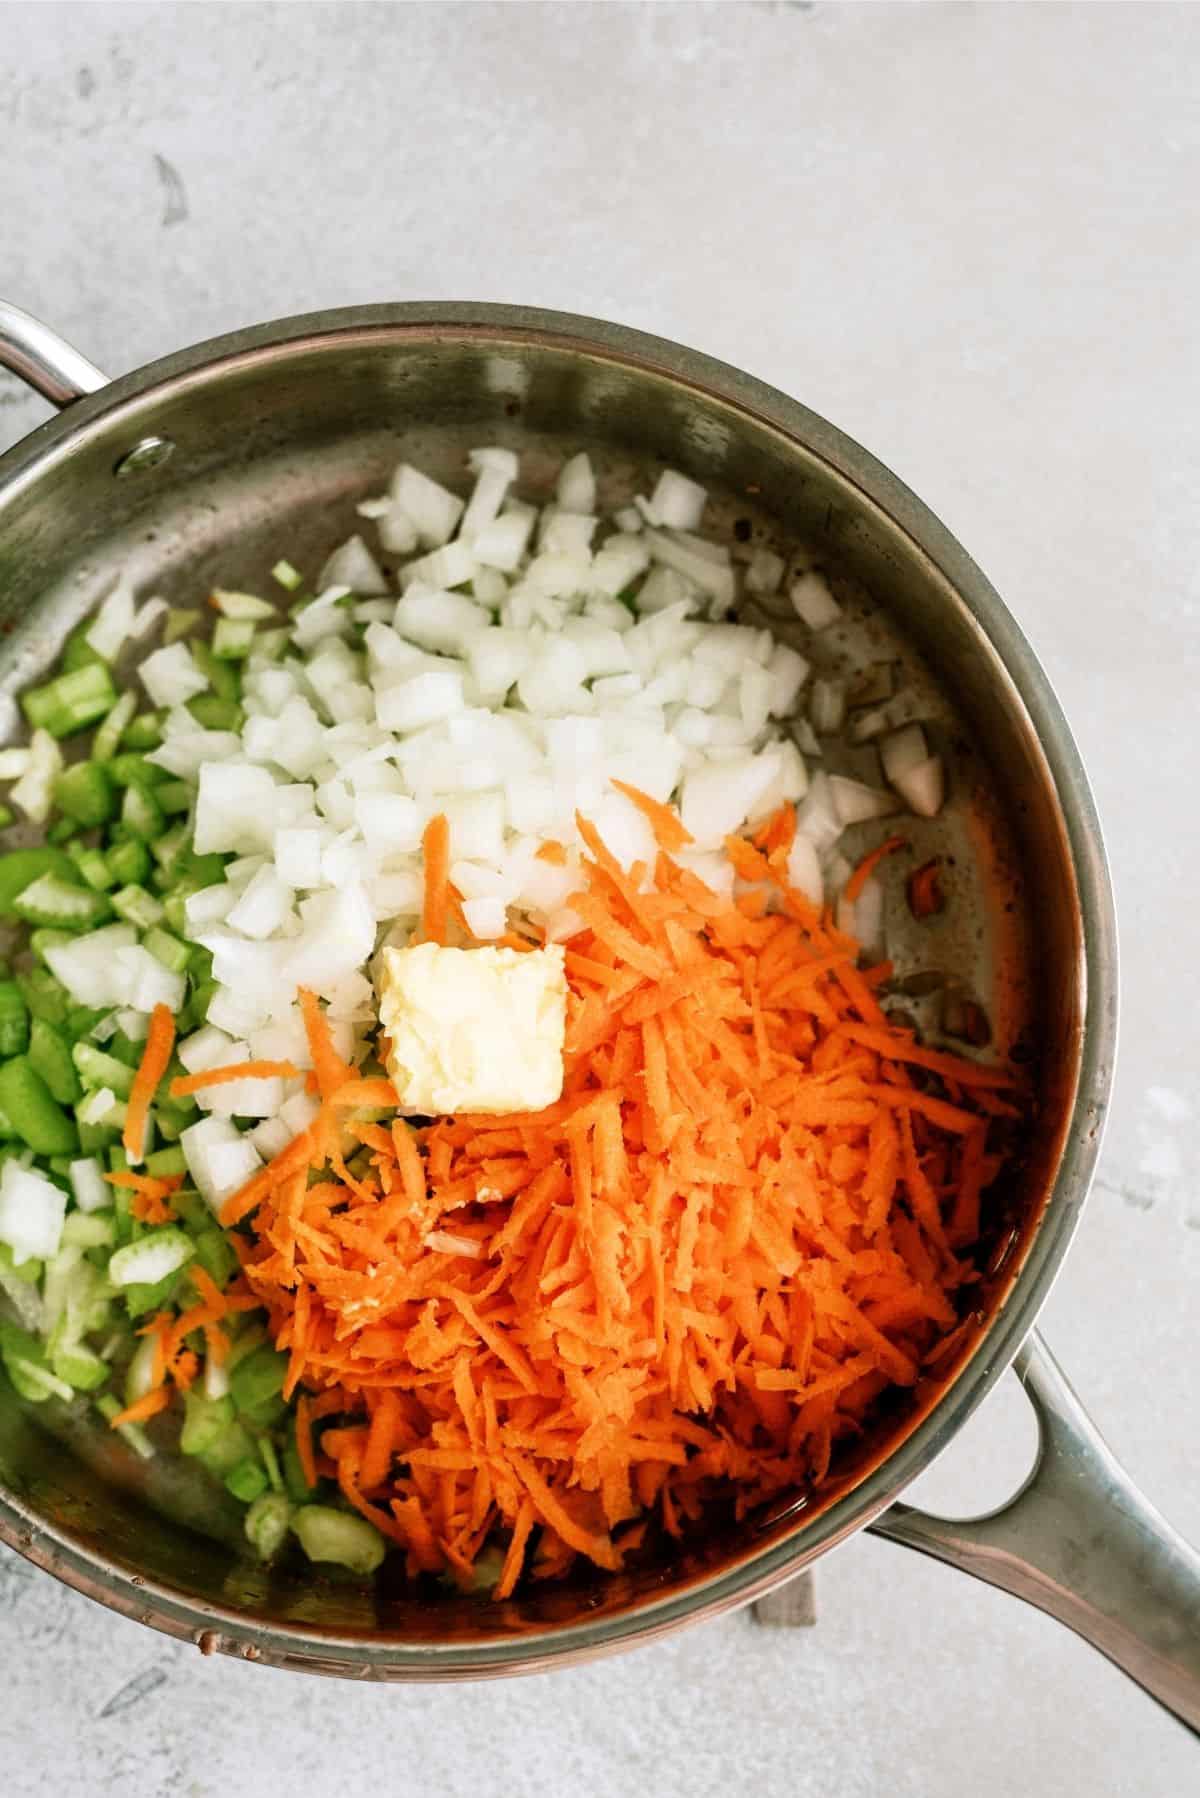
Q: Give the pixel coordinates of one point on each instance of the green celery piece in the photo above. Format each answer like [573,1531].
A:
[258,1377]
[6,816]
[129,862]
[8,1131]
[164,1164]
[44,995]
[143,732]
[14,1019]
[39,1120]
[140,812]
[50,1056]
[288,577]
[45,938]
[233,639]
[205,1420]
[80,1367]
[140,1300]
[77,651]
[267,1523]
[95,870]
[97,1069]
[61,832]
[247,1480]
[136,906]
[223,677]
[212,712]
[85,793]
[110,732]
[174,796]
[214,1253]
[294,1478]
[71,701]
[60,904]
[339,1536]
[167,849]
[167,949]
[26,1365]
[21,867]
[130,769]
[110,1407]
[30,1270]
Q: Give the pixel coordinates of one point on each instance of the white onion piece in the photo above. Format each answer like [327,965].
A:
[827,707]
[923,788]
[813,601]
[902,751]
[804,869]
[765,572]
[433,510]
[451,566]
[352,565]
[171,677]
[718,797]
[424,699]
[816,815]
[856,803]
[502,543]
[576,488]
[677,502]
[112,624]
[34,791]
[714,578]
[437,620]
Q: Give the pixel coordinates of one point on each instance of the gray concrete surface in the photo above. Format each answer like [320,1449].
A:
[968,235]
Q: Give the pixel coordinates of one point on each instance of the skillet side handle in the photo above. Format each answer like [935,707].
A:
[1080,1542]
[43,359]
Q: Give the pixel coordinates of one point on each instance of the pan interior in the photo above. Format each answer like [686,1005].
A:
[271,451]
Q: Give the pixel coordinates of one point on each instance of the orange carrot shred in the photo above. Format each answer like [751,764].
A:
[867,866]
[160,1040]
[669,832]
[149,1405]
[435,847]
[187,1084]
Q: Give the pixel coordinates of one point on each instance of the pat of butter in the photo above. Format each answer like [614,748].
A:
[474,1029]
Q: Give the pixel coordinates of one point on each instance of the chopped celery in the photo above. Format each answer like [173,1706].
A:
[40,1122]
[164,1164]
[174,796]
[30,1270]
[287,576]
[205,1420]
[233,638]
[247,1480]
[95,870]
[60,904]
[21,867]
[27,1367]
[85,793]
[71,701]
[223,677]
[213,1251]
[167,949]
[110,1407]
[62,831]
[96,1069]
[132,770]
[169,847]
[129,862]
[77,651]
[340,1537]
[89,1229]
[212,712]
[294,1478]
[152,1258]
[270,1460]
[6,816]
[143,732]
[258,1378]
[44,995]
[140,812]
[136,905]
[45,938]
[180,620]
[79,1367]
[110,734]
[14,1019]
[50,1056]
[267,1523]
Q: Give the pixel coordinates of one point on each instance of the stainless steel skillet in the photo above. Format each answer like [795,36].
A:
[203,466]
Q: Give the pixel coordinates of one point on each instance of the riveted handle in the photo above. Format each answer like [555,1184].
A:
[45,360]
[1080,1542]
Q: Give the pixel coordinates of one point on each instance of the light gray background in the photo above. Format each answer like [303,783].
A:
[969,236]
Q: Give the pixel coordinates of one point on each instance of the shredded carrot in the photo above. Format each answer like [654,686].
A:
[554,853]
[436,848]
[669,832]
[160,1040]
[925,897]
[149,1405]
[698,1269]
[868,865]
[187,1084]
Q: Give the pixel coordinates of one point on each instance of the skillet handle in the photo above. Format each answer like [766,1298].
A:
[45,360]
[1080,1542]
